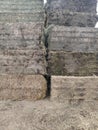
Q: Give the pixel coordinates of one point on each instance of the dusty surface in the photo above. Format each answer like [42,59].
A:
[47,115]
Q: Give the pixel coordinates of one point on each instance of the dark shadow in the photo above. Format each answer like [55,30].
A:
[48,79]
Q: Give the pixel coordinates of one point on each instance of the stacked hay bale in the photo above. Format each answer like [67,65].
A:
[22,52]
[72,12]
[73,49]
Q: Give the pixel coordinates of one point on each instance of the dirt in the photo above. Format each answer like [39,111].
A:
[48,115]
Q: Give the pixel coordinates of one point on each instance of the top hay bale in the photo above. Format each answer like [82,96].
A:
[73,5]
[80,13]
[21,11]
